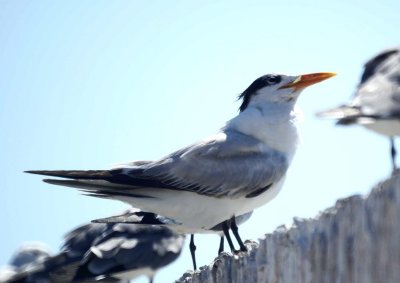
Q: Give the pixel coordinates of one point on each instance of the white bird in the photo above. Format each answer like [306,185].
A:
[212,181]
[376,103]
[136,216]
[106,253]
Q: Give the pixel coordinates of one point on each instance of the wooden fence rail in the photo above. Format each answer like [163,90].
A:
[357,240]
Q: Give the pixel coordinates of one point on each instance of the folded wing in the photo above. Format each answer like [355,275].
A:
[228,165]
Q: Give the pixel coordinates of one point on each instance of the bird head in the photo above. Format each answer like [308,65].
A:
[277,88]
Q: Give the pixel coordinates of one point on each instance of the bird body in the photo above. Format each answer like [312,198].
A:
[137,216]
[231,188]
[229,174]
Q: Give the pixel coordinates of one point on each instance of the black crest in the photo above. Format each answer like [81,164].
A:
[371,66]
[258,84]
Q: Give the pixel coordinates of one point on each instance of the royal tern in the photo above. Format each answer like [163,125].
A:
[212,181]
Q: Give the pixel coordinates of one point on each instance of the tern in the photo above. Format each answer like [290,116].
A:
[376,103]
[210,182]
[107,253]
[137,216]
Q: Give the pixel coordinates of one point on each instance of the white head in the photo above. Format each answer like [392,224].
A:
[277,88]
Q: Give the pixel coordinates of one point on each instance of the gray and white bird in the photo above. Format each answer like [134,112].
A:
[136,216]
[376,103]
[28,258]
[210,182]
[106,253]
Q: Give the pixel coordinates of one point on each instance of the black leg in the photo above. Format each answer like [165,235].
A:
[225,228]
[151,279]
[221,245]
[393,152]
[192,247]
[235,231]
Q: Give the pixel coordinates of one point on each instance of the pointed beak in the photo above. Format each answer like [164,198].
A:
[304,81]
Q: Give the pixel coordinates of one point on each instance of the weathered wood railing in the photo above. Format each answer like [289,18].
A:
[357,240]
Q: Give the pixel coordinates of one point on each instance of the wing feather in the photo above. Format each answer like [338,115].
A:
[231,165]
[227,165]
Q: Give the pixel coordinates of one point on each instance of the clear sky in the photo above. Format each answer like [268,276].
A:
[87,84]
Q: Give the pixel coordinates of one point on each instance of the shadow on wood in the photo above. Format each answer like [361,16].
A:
[357,240]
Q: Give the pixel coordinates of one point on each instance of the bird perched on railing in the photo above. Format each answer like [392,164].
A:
[106,253]
[213,181]
[137,216]
[376,103]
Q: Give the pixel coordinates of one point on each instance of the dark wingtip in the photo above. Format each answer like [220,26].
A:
[37,172]
[59,182]
[49,181]
[73,174]
[43,172]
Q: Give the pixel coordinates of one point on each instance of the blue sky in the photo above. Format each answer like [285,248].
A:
[87,84]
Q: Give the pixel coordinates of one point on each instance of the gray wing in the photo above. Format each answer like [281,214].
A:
[232,164]
[130,247]
[95,252]
[78,241]
[71,264]
[229,164]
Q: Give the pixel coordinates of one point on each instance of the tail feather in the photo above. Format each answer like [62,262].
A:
[109,179]
[90,187]
[84,184]
[113,183]
[98,188]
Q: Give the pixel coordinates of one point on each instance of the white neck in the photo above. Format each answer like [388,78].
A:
[273,124]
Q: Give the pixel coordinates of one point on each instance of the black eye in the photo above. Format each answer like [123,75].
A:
[272,80]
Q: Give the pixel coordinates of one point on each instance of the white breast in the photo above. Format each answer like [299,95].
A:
[273,125]
[199,212]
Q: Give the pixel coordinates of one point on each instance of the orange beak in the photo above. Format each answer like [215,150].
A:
[303,81]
